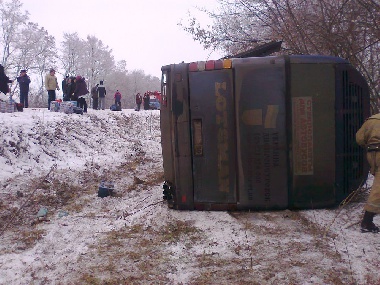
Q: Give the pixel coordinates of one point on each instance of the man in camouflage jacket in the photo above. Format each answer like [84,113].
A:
[369,137]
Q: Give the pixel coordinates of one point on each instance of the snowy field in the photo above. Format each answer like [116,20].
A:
[54,229]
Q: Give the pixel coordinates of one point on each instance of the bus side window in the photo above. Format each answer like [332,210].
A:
[164,99]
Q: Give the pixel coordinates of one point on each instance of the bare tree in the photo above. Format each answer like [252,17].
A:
[346,28]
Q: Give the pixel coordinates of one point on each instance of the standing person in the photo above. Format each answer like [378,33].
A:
[23,81]
[51,83]
[117,97]
[146,99]
[80,92]
[369,137]
[4,80]
[138,101]
[64,87]
[102,95]
[95,97]
[70,88]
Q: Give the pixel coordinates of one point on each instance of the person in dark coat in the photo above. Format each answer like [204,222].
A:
[81,92]
[24,81]
[70,89]
[64,86]
[4,80]
[102,95]
[138,101]
[95,97]
[146,99]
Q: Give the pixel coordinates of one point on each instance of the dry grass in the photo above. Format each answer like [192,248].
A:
[142,253]
[140,249]
[175,230]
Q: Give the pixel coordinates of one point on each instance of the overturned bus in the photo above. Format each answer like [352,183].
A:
[262,132]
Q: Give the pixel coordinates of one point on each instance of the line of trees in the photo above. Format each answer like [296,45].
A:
[25,45]
[345,28]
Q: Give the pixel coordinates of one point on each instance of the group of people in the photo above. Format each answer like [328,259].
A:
[98,95]
[23,80]
[140,99]
[74,88]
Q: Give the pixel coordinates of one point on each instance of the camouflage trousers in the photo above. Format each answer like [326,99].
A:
[373,202]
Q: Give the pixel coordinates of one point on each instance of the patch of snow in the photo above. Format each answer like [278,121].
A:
[128,238]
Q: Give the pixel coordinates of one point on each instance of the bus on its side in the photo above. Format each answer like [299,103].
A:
[262,133]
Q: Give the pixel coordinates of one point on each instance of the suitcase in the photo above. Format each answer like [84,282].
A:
[7,107]
[105,189]
[115,107]
[78,110]
[19,107]
[67,107]
[54,106]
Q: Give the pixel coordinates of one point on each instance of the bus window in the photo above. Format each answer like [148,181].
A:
[164,78]
[164,100]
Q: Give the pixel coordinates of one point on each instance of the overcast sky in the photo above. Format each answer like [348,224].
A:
[142,32]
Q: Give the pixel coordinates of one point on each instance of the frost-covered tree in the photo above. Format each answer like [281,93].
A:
[89,58]
[24,45]
[99,60]
[117,79]
[13,20]
[72,54]
[129,83]
[33,45]
[44,52]
[139,82]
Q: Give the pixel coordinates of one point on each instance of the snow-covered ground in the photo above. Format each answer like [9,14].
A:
[54,162]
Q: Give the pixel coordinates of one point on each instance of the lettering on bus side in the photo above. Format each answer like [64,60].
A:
[303,160]
[222,136]
[267,167]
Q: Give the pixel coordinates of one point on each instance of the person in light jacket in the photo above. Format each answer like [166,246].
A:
[51,84]
[368,136]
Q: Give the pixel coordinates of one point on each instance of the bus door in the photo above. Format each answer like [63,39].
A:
[213,139]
